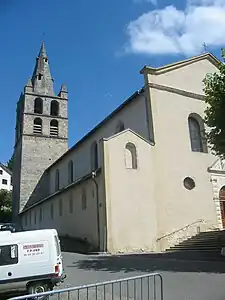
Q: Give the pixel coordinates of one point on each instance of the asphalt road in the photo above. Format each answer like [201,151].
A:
[182,280]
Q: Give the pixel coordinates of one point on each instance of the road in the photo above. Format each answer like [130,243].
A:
[183,280]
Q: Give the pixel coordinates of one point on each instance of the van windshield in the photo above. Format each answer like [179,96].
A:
[57,245]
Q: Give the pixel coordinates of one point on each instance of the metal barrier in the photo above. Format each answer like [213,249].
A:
[144,287]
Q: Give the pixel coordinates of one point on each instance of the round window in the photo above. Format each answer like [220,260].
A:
[189,183]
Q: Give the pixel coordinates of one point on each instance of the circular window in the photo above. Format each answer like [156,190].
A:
[189,183]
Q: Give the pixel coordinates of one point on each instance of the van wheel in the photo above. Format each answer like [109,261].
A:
[38,287]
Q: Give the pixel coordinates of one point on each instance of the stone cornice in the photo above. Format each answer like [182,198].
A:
[176,91]
[60,191]
[218,172]
[44,136]
[44,115]
[45,96]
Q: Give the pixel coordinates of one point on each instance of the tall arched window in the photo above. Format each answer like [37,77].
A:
[37,126]
[60,207]
[119,127]
[38,106]
[54,128]
[222,204]
[195,134]
[35,217]
[71,202]
[54,109]
[41,214]
[83,199]
[94,156]
[130,156]
[52,211]
[57,180]
[70,172]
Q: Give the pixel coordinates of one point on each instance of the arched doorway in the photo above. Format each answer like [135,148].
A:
[222,204]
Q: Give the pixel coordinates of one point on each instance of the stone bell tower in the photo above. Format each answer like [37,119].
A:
[41,135]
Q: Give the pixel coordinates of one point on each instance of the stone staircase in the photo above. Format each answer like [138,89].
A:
[209,242]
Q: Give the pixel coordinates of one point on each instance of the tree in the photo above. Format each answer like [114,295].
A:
[5,206]
[214,88]
[5,201]
[10,163]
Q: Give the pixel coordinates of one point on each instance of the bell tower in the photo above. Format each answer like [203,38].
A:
[41,135]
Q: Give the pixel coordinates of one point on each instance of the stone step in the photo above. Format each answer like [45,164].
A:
[211,238]
[195,249]
[205,243]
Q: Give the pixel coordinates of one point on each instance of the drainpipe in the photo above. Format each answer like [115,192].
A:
[97,204]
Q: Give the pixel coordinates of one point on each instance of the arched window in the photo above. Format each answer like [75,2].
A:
[71,203]
[30,217]
[38,106]
[41,214]
[37,126]
[52,211]
[54,109]
[57,180]
[60,207]
[130,156]
[25,220]
[222,204]
[119,127]
[94,156]
[70,172]
[54,128]
[196,131]
[35,217]
[83,200]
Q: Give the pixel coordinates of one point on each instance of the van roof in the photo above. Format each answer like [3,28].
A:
[29,236]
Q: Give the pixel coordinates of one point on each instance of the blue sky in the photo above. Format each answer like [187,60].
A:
[97,49]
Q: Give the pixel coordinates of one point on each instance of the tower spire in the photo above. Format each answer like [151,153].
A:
[41,79]
[42,50]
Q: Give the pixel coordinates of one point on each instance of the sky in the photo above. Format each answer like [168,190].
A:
[97,48]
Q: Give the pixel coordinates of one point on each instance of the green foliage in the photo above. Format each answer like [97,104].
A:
[5,201]
[10,163]
[214,88]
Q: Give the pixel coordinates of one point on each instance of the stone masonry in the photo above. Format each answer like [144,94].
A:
[35,152]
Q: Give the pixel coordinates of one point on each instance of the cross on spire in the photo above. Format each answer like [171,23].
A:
[205,47]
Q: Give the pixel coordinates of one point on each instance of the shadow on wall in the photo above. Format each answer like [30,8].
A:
[41,190]
[75,245]
[172,262]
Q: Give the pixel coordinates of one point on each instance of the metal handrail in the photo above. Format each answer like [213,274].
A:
[175,231]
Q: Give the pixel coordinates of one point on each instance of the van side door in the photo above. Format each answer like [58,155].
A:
[8,259]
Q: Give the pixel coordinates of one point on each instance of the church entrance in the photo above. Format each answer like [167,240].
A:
[222,204]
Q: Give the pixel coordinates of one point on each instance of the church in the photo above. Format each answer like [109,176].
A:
[143,179]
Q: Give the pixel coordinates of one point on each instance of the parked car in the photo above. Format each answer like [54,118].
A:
[12,227]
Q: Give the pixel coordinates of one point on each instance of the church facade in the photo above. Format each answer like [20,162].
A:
[144,179]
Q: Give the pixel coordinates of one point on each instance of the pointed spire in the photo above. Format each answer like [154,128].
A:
[42,80]
[29,83]
[63,88]
[28,87]
[42,50]
[63,92]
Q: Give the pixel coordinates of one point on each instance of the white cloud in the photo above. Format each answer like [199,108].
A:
[173,31]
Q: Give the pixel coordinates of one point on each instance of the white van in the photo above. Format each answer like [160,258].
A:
[30,261]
